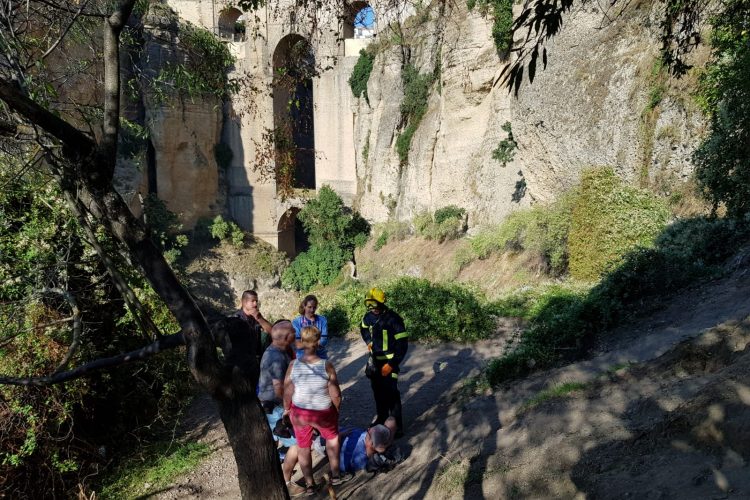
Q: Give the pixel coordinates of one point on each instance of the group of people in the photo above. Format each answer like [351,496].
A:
[298,384]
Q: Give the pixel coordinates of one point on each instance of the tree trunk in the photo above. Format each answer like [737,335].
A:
[258,467]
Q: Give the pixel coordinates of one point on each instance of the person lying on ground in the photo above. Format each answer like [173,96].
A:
[358,447]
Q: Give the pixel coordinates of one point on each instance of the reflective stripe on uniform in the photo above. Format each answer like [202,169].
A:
[385,340]
[394,374]
[364,326]
[384,357]
[401,335]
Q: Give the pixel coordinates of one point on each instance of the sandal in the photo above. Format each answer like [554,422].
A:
[295,490]
[342,478]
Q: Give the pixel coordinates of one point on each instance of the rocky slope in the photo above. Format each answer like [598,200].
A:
[602,100]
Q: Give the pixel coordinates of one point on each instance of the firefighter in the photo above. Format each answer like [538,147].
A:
[386,337]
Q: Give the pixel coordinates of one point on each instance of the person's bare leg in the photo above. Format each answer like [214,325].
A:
[333,447]
[290,460]
[305,463]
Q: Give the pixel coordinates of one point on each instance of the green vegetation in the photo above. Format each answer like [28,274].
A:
[609,219]
[152,469]
[227,230]
[502,15]
[723,159]
[562,320]
[557,391]
[361,74]
[506,150]
[413,108]
[541,231]
[390,231]
[334,231]
[446,223]
[49,435]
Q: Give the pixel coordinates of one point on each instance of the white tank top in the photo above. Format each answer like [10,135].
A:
[310,385]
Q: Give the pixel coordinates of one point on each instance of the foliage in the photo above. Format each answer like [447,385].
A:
[165,227]
[541,230]
[446,223]
[319,265]
[227,230]
[390,231]
[153,468]
[49,435]
[381,241]
[334,231]
[502,24]
[344,308]
[435,311]
[413,107]
[361,74]
[563,320]
[722,160]
[608,220]
[505,151]
[328,221]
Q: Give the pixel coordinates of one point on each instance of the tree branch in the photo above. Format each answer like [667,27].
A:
[73,138]
[165,343]
[77,324]
[60,38]
[111,126]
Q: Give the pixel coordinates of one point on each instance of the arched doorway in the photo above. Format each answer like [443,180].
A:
[231,24]
[359,20]
[292,237]
[293,114]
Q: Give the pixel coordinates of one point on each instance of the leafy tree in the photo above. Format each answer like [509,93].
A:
[35,124]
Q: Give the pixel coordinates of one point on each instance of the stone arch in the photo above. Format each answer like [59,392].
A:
[231,24]
[359,20]
[292,237]
[293,113]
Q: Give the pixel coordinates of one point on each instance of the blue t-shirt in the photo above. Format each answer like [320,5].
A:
[321,323]
[353,452]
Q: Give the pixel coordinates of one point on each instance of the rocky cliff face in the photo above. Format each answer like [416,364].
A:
[602,100]
[182,131]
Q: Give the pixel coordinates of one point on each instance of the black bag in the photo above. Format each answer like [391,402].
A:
[283,428]
[370,369]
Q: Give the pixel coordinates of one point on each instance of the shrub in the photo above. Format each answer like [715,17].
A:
[506,150]
[165,227]
[320,265]
[344,308]
[439,311]
[227,230]
[381,241]
[446,223]
[610,219]
[361,74]
[413,107]
[334,231]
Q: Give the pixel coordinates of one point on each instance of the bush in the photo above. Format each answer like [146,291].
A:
[334,231]
[361,74]
[320,265]
[413,107]
[446,223]
[439,311]
[227,230]
[541,230]
[344,308]
[610,219]
[506,150]
[564,320]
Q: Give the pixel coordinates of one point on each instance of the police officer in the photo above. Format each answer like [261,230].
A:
[387,339]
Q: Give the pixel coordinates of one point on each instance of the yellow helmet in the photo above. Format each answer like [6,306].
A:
[375,294]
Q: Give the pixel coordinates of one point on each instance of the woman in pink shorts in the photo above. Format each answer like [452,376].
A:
[312,398]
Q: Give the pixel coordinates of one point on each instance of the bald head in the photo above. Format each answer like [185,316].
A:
[282,333]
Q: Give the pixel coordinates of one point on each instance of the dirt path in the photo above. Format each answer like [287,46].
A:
[496,447]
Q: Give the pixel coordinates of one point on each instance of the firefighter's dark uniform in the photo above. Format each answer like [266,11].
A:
[390,341]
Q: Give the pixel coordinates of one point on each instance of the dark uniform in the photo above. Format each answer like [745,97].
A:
[390,341]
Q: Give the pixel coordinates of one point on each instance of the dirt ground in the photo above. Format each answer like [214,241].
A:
[661,409]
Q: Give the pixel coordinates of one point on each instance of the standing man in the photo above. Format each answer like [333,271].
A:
[273,366]
[250,312]
[387,339]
